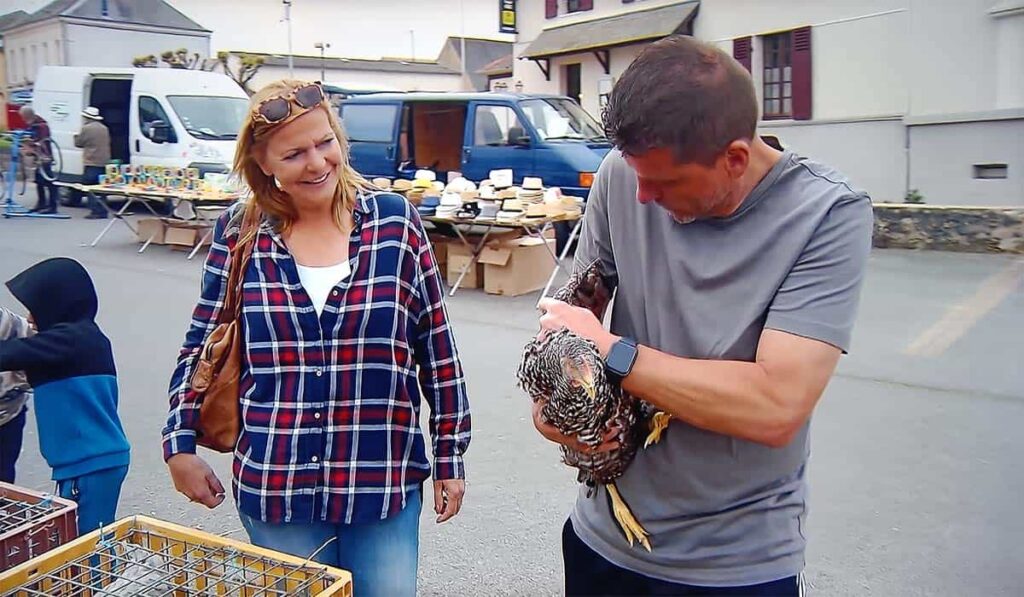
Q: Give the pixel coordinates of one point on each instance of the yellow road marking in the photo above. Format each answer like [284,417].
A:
[959,318]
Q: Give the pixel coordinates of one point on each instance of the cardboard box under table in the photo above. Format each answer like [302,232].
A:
[185,235]
[150,231]
[466,249]
[517,266]
[458,256]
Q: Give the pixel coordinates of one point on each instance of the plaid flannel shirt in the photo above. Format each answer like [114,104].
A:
[331,405]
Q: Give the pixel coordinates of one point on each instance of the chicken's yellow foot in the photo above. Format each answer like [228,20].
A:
[659,423]
[627,522]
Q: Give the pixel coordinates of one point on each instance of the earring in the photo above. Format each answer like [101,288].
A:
[277,183]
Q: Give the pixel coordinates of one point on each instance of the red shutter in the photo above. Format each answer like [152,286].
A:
[586,4]
[550,9]
[801,58]
[741,51]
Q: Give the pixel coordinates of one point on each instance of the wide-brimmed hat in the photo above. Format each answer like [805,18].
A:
[533,183]
[92,113]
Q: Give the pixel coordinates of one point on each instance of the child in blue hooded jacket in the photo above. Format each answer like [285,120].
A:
[70,366]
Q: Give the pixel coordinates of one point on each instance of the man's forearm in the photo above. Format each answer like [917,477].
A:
[734,398]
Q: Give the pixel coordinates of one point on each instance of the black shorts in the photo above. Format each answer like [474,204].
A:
[587,573]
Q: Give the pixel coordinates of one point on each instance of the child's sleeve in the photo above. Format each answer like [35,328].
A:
[48,349]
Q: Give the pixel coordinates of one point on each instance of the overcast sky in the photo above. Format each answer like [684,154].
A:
[354,28]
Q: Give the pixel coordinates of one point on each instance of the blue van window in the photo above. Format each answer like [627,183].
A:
[369,122]
[493,124]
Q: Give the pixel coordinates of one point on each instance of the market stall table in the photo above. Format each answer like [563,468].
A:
[534,227]
[204,202]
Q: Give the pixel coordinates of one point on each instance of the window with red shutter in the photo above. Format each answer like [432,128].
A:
[777,76]
[741,51]
[550,9]
[802,74]
[578,5]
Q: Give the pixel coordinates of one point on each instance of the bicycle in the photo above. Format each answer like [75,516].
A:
[26,163]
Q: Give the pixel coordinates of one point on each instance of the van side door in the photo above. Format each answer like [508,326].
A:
[372,130]
[497,138]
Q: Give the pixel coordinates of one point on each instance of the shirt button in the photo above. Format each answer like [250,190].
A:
[319,372]
[334,292]
[316,415]
[315,459]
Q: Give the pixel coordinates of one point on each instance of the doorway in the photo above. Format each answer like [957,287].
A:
[572,78]
[113,97]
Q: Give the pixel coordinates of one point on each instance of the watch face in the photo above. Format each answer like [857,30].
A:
[620,358]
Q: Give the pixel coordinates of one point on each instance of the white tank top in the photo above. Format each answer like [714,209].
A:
[319,281]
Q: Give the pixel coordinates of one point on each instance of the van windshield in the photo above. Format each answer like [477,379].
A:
[557,118]
[209,117]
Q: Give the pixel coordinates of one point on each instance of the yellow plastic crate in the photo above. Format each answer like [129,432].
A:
[144,557]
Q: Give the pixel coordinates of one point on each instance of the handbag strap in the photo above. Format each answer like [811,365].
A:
[240,256]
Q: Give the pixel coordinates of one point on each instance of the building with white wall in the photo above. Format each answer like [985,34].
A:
[898,94]
[445,73]
[97,33]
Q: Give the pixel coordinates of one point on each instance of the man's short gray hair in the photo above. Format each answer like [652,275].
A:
[27,112]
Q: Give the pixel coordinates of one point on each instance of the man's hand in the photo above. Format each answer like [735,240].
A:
[448,495]
[580,321]
[196,480]
[549,431]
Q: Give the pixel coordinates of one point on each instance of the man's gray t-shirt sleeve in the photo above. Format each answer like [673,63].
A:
[595,237]
[818,298]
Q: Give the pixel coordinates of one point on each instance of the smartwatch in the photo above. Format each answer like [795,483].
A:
[621,357]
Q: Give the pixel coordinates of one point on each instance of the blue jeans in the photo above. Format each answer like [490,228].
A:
[96,495]
[11,434]
[382,556]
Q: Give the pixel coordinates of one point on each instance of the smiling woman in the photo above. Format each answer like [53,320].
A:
[345,333]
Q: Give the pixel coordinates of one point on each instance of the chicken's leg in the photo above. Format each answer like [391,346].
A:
[659,423]
[629,524]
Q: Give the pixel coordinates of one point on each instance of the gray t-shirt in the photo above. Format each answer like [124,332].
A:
[722,511]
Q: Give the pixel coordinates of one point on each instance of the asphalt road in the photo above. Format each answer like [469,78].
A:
[916,473]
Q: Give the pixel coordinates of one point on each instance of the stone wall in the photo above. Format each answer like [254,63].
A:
[949,228]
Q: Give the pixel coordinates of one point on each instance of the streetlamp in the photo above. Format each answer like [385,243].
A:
[322,45]
[288,17]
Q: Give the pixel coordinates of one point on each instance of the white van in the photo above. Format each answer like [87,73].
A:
[160,116]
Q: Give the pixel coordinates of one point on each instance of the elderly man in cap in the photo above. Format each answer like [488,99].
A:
[39,131]
[94,139]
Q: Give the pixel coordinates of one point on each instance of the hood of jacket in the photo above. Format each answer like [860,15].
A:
[57,290]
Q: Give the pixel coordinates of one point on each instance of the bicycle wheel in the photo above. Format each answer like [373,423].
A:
[21,178]
[56,166]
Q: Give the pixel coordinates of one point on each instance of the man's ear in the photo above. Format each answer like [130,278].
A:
[737,157]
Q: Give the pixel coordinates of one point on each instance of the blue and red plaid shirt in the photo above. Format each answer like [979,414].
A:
[331,405]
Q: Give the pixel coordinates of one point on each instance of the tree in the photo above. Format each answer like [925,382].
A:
[180,59]
[240,67]
[145,61]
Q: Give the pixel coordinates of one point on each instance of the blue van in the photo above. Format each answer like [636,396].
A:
[550,136]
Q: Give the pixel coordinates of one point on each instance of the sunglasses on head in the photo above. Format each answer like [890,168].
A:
[278,109]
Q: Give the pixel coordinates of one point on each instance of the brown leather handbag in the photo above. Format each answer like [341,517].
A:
[217,373]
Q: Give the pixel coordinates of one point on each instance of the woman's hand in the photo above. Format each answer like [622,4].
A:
[194,479]
[448,498]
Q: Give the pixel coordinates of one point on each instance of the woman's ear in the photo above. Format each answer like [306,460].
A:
[261,161]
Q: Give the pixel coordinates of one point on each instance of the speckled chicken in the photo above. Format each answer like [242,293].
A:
[567,372]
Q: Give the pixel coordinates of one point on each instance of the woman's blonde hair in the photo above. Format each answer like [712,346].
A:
[252,140]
